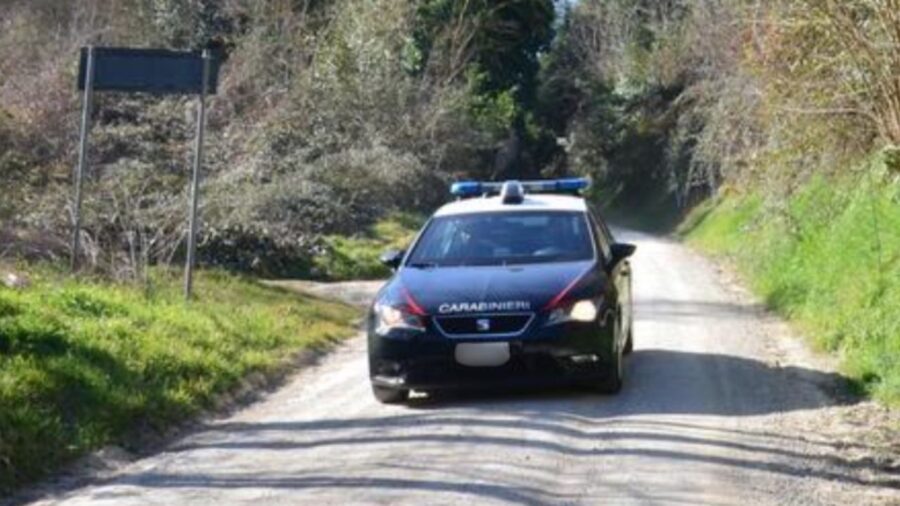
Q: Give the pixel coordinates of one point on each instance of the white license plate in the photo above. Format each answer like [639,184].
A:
[482,354]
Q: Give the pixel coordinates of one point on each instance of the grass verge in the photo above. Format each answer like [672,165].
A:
[85,364]
[356,257]
[828,259]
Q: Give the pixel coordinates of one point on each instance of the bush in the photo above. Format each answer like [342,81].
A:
[357,257]
[318,127]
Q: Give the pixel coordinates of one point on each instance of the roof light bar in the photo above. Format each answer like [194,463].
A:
[468,188]
[464,189]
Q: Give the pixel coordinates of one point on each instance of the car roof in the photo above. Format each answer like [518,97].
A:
[534,202]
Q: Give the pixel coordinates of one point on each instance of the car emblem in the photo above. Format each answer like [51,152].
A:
[483,324]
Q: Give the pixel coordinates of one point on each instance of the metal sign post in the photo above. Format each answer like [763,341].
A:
[195,181]
[156,71]
[82,153]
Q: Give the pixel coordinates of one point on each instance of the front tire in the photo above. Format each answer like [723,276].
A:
[613,382]
[629,343]
[390,395]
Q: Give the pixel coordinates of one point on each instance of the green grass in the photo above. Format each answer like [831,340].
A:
[356,257]
[87,363]
[829,259]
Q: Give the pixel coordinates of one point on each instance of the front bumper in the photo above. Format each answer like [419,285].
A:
[568,353]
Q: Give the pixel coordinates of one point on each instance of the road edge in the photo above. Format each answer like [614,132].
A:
[106,462]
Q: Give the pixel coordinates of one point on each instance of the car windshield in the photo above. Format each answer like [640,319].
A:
[504,238]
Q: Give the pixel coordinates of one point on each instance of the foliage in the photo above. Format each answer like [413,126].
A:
[502,38]
[837,58]
[330,114]
[729,89]
[630,85]
[357,257]
[86,363]
[828,259]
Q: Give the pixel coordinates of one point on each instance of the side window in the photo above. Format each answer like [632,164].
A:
[603,239]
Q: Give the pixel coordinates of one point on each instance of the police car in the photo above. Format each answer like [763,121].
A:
[515,283]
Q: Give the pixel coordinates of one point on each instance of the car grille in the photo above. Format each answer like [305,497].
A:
[473,325]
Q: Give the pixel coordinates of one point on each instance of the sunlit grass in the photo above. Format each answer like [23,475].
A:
[357,257]
[87,363]
[830,260]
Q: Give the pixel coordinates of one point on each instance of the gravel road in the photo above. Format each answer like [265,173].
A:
[720,407]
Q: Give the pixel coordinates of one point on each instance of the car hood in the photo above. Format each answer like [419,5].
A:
[478,289]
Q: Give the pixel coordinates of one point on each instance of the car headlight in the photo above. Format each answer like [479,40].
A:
[390,318]
[579,311]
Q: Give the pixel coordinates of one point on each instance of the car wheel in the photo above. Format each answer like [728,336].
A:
[629,343]
[613,382]
[390,395]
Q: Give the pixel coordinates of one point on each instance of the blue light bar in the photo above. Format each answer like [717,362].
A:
[466,188]
[475,188]
[557,185]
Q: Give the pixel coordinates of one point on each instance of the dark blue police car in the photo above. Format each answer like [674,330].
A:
[516,283]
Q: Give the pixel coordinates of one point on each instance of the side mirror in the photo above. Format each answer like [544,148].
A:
[392,258]
[621,251]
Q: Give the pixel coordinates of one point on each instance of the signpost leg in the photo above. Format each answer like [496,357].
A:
[195,181]
[82,154]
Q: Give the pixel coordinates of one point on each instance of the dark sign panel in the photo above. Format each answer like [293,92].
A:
[148,70]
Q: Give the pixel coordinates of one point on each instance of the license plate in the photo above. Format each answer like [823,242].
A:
[482,354]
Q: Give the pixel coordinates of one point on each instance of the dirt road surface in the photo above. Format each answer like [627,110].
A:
[720,407]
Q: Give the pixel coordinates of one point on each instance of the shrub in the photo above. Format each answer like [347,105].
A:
[357,257]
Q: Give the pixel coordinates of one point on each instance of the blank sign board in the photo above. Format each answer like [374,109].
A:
[147,70]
